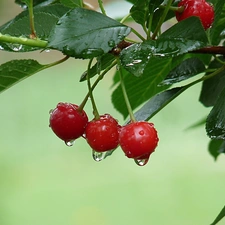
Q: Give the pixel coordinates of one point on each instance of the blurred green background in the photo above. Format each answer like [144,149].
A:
[42,181]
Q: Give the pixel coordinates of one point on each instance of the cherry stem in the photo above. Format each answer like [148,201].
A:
[179,9]
[95,84]
[95,110]
[129,108]
[101,7]
[162,18]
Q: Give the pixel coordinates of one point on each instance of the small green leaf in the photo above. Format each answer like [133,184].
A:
[83,33]
[16,70]
[140,89]
[215,123]
[187,69]
[216,147]
[212,88]
[219,217]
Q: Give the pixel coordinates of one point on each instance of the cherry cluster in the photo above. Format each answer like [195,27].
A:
[137,139]
[199,8]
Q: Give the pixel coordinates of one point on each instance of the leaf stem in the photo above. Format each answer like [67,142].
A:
[184,88]
[162,18]
[31,17]
[23,41]
[129,108]
[57,62]
[100,3]
[137,34]
[125,18]
[81,3]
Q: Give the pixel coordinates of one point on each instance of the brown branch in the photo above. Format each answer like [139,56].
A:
[216,50]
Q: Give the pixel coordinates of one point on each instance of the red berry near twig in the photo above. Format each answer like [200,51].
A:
[68,122]
[103,134]
[138,140]
[199,8]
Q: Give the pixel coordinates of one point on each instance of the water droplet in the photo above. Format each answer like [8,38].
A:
[47,50]
[92,52]
[111,43]
[1,48]
[141,162]
[24,7]
[98,156]
[70,143]
[136,61]
[16,47]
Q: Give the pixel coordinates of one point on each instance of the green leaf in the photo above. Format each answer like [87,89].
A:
[102,63]
[140,89]
[218,23]
[140,12]
[190,29]
[16,70]
[23,3]
[199,123]
[83,33]
[20,25]
[156,103]
[219,217]
[71,3]
[216,147]
[215,123]
[212,88]
[187,69]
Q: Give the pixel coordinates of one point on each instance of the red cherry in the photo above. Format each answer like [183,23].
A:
[103,134]
[138,139]
[198,8]
[67,121]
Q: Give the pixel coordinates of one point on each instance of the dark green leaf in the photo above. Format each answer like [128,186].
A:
[16,70]
[187,69]
[212,88]
[215,123]
[216,147]
[83,33]
[219,217]
[186,30]
[23,3]
[71,3]
[156,103]
[140,11]
[20,25]
[218,24]
[140,89]
[102,63]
